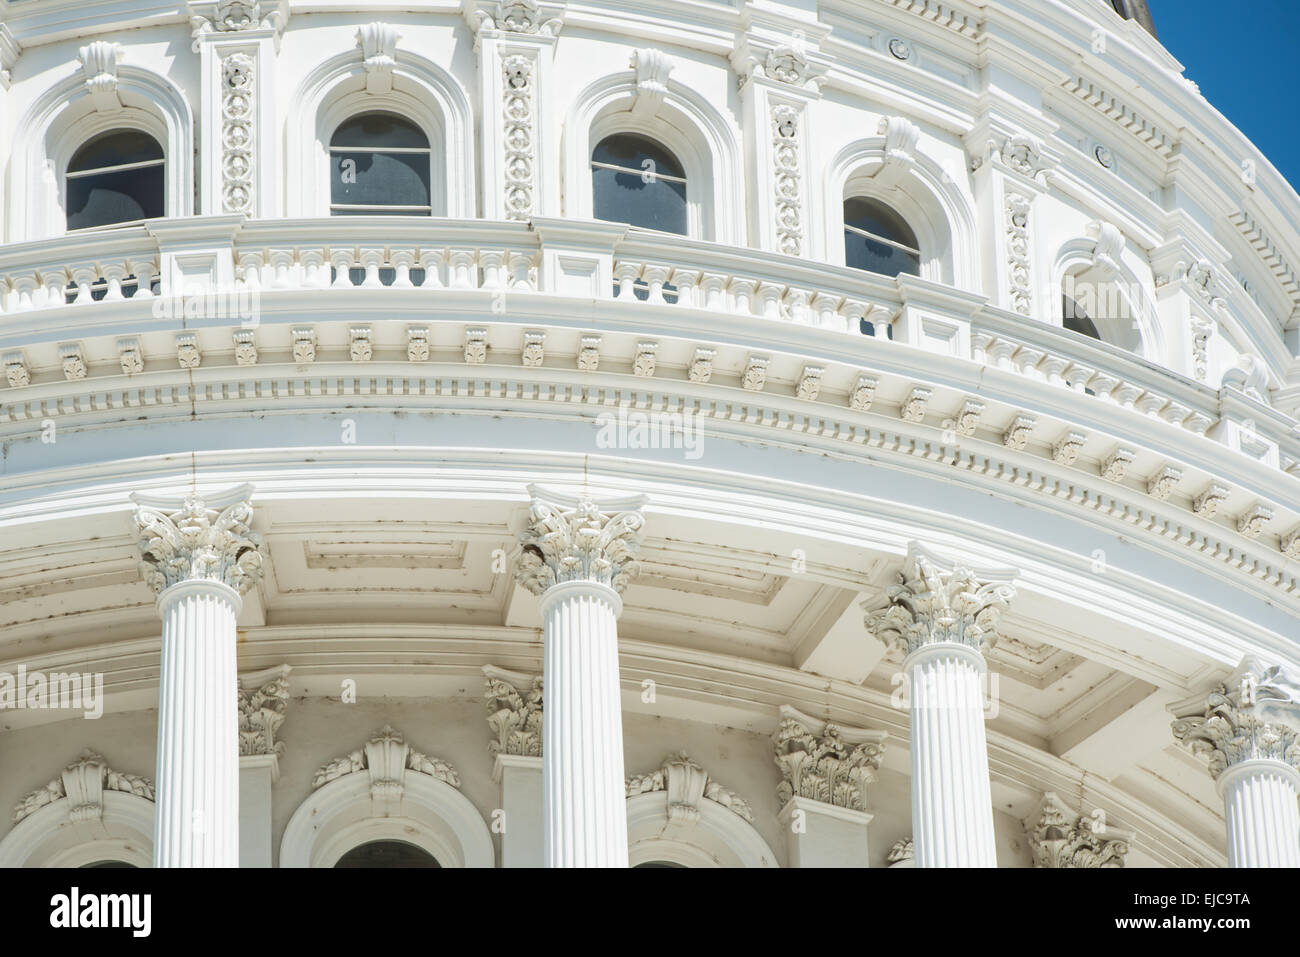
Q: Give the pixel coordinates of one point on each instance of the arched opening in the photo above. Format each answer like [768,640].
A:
[877,239]
[101,864]
[659,864]
[115,178]
[387,854]
[1095,304]
[380,164]
[636,180]
[1074,318]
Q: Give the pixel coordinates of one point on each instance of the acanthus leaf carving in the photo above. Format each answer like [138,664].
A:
[941,602]
[192,540]
[1059,838]
[686,783]
[99,61]
[1254,714]
[387,757]
[578,540]
[822,761]
[514,703]
[263,698]
[83,783]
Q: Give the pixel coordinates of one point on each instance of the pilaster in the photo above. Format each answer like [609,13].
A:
[514,713]
[237,42]
[825,769]
[263,698]
[515,43]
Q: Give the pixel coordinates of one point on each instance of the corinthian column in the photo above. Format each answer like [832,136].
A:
[942,617]
[578,556]
[200,557]
[1248,727]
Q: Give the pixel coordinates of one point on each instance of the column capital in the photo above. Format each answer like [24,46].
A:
[1253,715]
[940,601]
[1061,838]
[263,698]
[199,539]
[514,711]
[578,539]
[825,762]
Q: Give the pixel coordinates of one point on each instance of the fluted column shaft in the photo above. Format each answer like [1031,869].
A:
[584,803]
[952,808]
[1259,803]
[197,796]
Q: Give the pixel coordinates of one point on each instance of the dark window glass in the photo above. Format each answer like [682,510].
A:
[387,854]
[1076,320]
[637,181]
[116,177]
[660,864]
[878,240]
[110,864]
[379,164]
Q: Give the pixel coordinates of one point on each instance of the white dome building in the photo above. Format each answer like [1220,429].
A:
[774,434]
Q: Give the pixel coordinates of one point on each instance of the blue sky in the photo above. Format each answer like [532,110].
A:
[1243,57]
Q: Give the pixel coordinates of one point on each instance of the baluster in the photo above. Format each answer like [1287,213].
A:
[492,261]
[460,267]
[315,275]
[520,264]
[685,280]
[769,300]
[342,259]
[371,260]
[626,274]
[655,277]
[742,295]
[431,263]
[145,273]
[401,260]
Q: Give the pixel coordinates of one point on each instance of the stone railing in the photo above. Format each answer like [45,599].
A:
[598,261]
[372,252]
[84,267]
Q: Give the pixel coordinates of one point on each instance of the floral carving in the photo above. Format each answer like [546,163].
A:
[261,711]
[823,762]
[1061,838]
[1017,213]
[83,783]
[514,712]
[237,133]
[932,604]
[578,541]
[786,174]
[518,112]
[194,541]
[387,757]
[686,783]
[1252,715]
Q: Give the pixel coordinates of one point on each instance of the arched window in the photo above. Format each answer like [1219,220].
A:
[877,239]
[115,178]
[387,854]
[637,181]
[99,864]
[1075,319]
[379,165]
